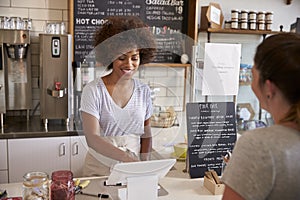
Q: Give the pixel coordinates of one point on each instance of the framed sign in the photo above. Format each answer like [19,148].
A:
[167,20]
[211,132]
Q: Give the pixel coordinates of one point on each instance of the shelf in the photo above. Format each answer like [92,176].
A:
[240,31]
[167,65]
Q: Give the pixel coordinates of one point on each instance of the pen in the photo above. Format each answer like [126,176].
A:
[99,195]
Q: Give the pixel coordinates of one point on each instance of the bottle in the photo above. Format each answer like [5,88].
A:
[35,186]
[62,186]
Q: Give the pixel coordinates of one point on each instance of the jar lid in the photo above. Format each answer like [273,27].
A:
[253,11]
[244,11]
[261,12]
[34,179]
[62,175]
[269,13]
[235,10]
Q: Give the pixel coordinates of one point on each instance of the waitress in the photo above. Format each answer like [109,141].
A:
[116,108]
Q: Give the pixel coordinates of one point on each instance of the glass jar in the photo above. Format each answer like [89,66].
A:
[62,185]
[234,14]
[35,186]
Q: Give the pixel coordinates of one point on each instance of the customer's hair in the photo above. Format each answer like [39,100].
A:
[120,34]
[277,59]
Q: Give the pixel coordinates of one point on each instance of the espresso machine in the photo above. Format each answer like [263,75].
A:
[56,77]
[15,71]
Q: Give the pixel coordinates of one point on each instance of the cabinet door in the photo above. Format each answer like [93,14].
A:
[37,154]
[3,162]
[79,149]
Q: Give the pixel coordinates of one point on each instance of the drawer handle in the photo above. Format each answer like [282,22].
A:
[62,149]
[75,149]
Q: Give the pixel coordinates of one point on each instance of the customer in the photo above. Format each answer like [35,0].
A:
[116,108]
[265,163]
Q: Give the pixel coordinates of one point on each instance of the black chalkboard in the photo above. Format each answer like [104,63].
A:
[167,19]
[211,134]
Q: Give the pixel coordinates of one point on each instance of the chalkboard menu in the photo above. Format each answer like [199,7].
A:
[166,19]
[211,134]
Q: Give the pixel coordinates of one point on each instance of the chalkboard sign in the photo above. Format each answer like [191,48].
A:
[166,19]
[211,134]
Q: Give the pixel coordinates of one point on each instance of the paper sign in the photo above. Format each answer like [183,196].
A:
[221,69]
[215,14]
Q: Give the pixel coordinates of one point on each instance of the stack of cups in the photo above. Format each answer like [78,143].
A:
[235,19]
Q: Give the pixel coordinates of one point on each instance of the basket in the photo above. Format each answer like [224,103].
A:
[164,119]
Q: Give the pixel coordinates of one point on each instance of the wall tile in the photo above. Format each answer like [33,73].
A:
[35,59]
[35,71]
[5,3]
[57,4]
[66,15]
[34,82]
[35,50]
[14,12]
[38,25]
[28,3]
[45,14]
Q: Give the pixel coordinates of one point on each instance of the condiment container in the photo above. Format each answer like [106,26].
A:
[269,16]
[62,186]
[35,186]
[244,24]
[268,26]
[261,25]
[227,24]
[252,15]
[244,15]
[234,24]
[252,24]
[261,16]
[235,14]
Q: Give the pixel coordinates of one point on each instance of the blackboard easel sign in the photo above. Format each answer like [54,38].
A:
[211,134]
[167,20]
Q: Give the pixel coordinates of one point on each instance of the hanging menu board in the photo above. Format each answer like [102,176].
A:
[166,19]
[211,134]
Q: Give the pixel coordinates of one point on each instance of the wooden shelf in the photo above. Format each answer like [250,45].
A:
[240,31]
[167,65]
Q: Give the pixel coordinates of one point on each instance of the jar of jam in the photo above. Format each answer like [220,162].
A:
[35,186]
[62,186]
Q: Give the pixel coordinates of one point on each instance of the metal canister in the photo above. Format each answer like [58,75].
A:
[35,186]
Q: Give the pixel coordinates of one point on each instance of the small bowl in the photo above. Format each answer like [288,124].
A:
[180,150]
